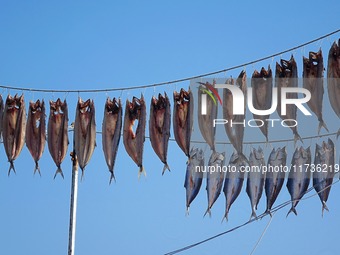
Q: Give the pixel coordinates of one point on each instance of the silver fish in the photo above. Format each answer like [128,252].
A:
[299,176]
[262,88]
[159,127]
[286,77]
[215,177]
[84,132]
[313,81]
[206,121]
[323,178]
[256,178]
[194,175]
[275,175]
[234,180]
[111,132]
[235,132]
[14,128]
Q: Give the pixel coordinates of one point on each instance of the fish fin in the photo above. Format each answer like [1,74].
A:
[37,168]
[141,171]
[297,137]
[338,134]
[11,167]
[324,207]
[59,171]
[112,177]
[292,210]
[322,124]
[207,212]
[166,166]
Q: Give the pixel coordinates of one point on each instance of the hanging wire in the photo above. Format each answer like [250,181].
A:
[178,80]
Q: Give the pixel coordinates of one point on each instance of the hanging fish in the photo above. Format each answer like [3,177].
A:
[286,77]
[84,132]
[194,175]
[134,142]
[256,178]
[299,176]
[234,180]
[322,180]
[215,177]
[1,114]
[159,127]
[183,119]
[235,131]
[262,86]
[275,175]
[36,131]
[57,136]
[313,81]
[111,131]
[206,121]
[13,128]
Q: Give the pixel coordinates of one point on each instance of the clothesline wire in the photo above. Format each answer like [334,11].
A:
[173,81]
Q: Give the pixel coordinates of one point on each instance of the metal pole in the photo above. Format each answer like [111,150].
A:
[73,207]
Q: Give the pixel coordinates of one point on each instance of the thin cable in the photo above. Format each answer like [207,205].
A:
[178,80]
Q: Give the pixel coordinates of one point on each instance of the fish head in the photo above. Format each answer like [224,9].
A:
[258,153]
[58,108]
[334,54]
[113,106]
[242,81]
[36,111]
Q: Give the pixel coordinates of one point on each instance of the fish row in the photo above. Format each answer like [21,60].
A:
[271,182]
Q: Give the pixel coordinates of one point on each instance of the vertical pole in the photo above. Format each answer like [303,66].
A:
[73,206]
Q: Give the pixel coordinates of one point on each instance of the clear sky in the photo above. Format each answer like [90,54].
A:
[112,44]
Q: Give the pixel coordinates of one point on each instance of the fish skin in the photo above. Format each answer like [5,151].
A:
[159,127]
[36,134]
[256,179]
[57,133]
[234,180]
[111,132]
[262,88]
[235,133]
[193,178]
[322,181]
[183,119]
[275,179]
[134,142]
[84,132]
[299,179]
[1,114]
[14,128]
[214,179]
[286,76]
[206,122]
[313,81]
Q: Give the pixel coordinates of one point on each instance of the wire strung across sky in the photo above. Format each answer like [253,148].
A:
[173,81]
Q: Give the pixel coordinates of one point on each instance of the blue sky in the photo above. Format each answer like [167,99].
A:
[112,44]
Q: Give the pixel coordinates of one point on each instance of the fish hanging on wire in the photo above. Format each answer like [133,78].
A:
[299,176]
[183,119]
[111,132]
[1,114]
[84,132]
[36,131]
[57,136]
[206,120]
[235,132]
[159,127]
[322,180]
[134,142]
[286,76]
[13,128]
[262,88]
[193,177]
[313,81]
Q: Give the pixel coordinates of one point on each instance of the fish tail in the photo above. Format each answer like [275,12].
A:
[166,166]
[59,171]
[112,177]
[253,214]
[82,175]
[322,124]
[207,212]
[37,168]
[11,167]
[187,211]
[338,134]
[324,207]
[141,171]
[268,211]
[297,137]
[225,216]
[292,210]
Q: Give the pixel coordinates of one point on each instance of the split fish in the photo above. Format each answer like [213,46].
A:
[13,128]
[36,131]
[286,77]
[234,180]
[299,176]
[111,132]
[256,178]
[193,176]
[275,175]
[159,127]
[322,180]
[313,81]
[262,88]
[206,121]
[215,177]
[134,142]
[57,136]
[235,132]
[183,119]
